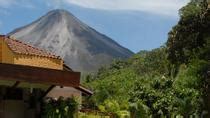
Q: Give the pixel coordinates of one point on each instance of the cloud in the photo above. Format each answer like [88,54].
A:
[20,3]
[55,3]
[7,3]
[164,7]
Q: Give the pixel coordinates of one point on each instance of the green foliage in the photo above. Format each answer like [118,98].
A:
[153,92]
[86,115]
[108,86]
[139,109]
[153,62]
[165,82]
[189,36]
[123,114]
[191,75]
[60,108]
[110,106]
[191,10]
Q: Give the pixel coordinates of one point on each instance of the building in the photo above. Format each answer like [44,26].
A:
[28,75]
[208,2]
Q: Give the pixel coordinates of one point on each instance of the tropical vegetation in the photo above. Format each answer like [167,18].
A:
[168,81]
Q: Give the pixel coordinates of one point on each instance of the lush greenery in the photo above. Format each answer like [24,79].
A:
[189,37]
[167,81]
[61,108]
[92,115]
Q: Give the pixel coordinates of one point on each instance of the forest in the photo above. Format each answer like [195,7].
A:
[167,81]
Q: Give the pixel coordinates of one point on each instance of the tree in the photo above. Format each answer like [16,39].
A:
[187,37]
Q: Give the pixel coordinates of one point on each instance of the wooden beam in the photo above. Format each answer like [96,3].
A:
[15,85]
[66,68]
[39,75]
[46,92]
[84,90]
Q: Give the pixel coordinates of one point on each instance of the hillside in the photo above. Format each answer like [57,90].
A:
[82,48]
[170,81]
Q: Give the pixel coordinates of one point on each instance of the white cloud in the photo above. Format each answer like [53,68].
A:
[7,3]
[54,3]
[165,7]
[20,3]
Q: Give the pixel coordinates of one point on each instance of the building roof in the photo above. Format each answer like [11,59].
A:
[36,74]
[84,90]
[22,48]
[66,68]
[29,74]
[22,73]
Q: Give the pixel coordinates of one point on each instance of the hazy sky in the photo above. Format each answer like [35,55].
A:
[135,24]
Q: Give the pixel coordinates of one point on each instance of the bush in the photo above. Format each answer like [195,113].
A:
[61,108]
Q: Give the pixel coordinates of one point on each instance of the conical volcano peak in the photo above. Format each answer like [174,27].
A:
[82,48]
[61,16]
[60,13]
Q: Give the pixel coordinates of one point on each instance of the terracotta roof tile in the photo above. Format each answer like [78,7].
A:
[23,48]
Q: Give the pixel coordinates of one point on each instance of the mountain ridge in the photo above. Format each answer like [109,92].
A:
[82,47]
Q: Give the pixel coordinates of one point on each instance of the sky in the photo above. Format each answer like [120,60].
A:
[135,24]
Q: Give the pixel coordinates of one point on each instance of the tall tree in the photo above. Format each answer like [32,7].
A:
[187,37]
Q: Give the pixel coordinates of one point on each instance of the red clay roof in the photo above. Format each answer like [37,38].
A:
[23,48]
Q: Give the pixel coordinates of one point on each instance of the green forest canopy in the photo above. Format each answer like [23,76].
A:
[166,81]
